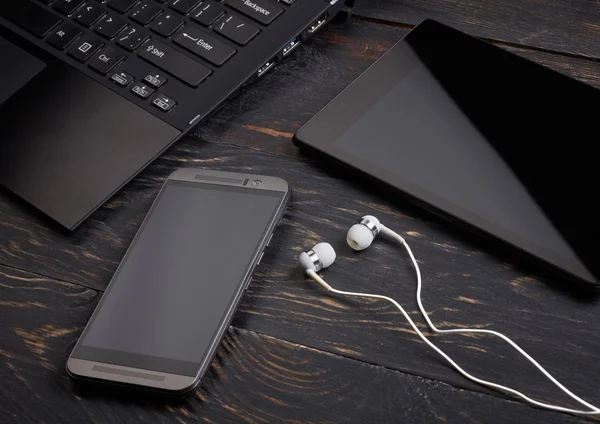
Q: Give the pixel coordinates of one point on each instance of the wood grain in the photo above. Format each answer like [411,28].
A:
[565,26]
[466,281]
[375,358]
[254,379]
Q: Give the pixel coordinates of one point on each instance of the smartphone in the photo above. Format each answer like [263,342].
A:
[166,309]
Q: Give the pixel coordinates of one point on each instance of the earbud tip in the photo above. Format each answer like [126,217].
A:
[326,253]
[359,237]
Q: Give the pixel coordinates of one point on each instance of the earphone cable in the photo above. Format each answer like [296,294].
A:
[594,410]
[401,240]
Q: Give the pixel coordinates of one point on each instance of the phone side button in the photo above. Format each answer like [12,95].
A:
[270,238]
[248,283]
[260,258]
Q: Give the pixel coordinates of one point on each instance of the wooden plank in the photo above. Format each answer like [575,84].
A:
[267,115]
[254,379]
[563,26]
[467,282]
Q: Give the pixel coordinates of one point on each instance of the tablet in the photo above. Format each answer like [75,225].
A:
[482,135]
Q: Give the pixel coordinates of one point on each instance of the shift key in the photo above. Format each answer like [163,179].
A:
[174,62]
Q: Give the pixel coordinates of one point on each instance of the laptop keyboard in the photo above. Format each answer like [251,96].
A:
[103,34]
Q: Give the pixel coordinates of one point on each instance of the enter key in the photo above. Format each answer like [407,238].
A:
[205,46]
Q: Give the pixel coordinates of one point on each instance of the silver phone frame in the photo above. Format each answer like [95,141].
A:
[174,383]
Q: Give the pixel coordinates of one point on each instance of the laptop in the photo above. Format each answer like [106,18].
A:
[93,90]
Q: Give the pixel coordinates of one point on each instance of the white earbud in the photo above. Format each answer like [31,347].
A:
[321,256]
[361,235]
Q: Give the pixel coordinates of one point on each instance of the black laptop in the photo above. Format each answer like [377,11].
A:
[92,91]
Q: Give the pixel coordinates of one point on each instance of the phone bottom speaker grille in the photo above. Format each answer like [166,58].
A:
[127,373]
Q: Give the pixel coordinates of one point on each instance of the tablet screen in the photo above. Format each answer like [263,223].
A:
[483,135]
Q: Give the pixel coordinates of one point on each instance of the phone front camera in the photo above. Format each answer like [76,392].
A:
[256,183]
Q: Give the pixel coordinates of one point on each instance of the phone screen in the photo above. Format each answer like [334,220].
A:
[179,278]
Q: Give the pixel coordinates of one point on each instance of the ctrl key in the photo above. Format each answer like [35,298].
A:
[106,60]
[163,102]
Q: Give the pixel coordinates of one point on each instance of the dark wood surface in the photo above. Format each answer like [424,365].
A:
[294,354]
[564,26]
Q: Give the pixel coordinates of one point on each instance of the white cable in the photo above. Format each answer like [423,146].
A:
[594,410]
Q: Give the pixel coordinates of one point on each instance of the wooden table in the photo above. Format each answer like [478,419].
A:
[293,353]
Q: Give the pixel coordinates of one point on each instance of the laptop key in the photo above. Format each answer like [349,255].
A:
[163,102]
[106,60]
[208,12]
[131,38]
[142,90]
[122,78]
[66,7]
[84,48]
[183,6]
[29,16]
[263,11]
[110,26]
[204,45]
[236,30]
[155,80]
[174,62]
[64,36]
[145,12]
[167,24]
[121,6]
[89,14]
